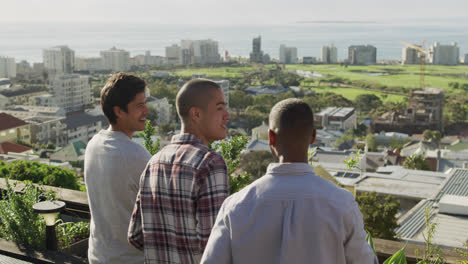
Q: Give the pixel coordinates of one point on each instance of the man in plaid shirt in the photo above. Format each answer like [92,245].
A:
[183,185]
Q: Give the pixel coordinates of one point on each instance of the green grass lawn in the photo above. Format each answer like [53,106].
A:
[398,75]
[351,93]
[224,72]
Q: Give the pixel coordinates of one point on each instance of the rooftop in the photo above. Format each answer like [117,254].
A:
[336,111]
[451,229]
[7,122]
[82,119]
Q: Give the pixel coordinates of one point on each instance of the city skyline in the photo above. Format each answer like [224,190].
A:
[233,12]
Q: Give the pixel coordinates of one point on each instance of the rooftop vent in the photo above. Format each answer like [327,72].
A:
[452,204]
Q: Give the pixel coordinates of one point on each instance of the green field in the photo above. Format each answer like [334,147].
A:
[351,93]
[407,76]
[395,76]
[225,72]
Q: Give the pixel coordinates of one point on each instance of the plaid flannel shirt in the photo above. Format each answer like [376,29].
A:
[181,192]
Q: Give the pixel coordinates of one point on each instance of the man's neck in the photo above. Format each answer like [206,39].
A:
[116,127]
[186,129]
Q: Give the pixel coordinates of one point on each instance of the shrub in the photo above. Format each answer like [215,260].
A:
[40,173]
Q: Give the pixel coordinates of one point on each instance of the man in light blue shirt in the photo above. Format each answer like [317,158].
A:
[290,215]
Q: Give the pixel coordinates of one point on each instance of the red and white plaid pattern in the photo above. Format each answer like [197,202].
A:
[181,192]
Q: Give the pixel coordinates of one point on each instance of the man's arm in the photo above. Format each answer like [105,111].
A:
[357,250]
[135,230]
[218,249]
[214,188]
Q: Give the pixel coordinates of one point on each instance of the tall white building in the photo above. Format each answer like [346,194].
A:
[90,64]
[7,67]
[59,60]
[288,55]
[362,54]
[329,54]
[115,60]
[203,51]
[444,54]
[410,56]
[72,92]
[173,54]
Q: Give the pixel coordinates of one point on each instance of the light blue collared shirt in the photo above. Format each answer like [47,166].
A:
[290,215]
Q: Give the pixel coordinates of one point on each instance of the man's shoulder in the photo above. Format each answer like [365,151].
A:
[192,155]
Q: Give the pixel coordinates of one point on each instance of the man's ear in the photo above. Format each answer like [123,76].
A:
[271,137]
[195,113]
[314,134]
[117,111]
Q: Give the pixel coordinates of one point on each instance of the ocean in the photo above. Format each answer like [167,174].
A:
[25,41]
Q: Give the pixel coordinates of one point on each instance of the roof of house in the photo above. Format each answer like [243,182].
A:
[417,148]
[6,147]
[336,111]
[7,121]
[451,229]
[72,152]
[258,145]
[83,119]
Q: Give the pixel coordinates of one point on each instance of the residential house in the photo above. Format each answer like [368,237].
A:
[12,129]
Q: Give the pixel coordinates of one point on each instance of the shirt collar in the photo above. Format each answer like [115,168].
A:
[291,169]
[186,139]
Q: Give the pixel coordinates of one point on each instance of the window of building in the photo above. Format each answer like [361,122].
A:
[3,134]
[12,131]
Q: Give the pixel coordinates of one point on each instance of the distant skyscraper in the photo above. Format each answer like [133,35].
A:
[410,56]
[7,67]
[362,54]
[444,54]
[329,54]
[173,54]
[199,52]
[466,59]
[115,60]
[288,55]
[72,92]
[59,60]
[257,54]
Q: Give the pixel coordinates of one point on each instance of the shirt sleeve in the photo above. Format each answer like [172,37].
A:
[135,230]
[214,188]
[357,250]
[218,249]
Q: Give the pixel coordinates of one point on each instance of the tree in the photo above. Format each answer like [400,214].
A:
[416,162]
[367,102]
[379,214]
[459,112]
[239,100]
[230,150]
[256,162]
[431,135]
[152,147]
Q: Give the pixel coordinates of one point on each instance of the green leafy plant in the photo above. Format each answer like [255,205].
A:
[69,232]
[397,258]
[378,213]
[432,253]
[152,147]
[36,172]
[463,254]
[18,221]
[231,150]
[20,224]
[416,162]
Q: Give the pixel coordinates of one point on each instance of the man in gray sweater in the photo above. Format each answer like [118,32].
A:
[113,165]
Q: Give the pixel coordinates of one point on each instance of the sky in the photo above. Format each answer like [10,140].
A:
[223,12]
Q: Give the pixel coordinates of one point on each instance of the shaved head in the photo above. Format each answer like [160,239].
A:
[194,93]
[292,121]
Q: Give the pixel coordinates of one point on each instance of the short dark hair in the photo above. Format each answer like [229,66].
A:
[119,90]
[194,93]
[292,119]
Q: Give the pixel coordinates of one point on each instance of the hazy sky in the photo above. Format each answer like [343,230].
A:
[229,12]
